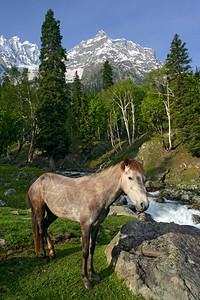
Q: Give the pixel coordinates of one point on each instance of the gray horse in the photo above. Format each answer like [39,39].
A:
[85,200]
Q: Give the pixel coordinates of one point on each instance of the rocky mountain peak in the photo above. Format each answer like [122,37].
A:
[128,60]
[22,55]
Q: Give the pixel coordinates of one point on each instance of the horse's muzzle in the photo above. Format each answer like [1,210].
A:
[142,206]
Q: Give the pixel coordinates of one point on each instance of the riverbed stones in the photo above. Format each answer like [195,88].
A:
[160,200]
[153,185]
[25,175]
[158,260]
[196,219]
[121,211]
[10,192]
[196,198]
[120,201]
[2,242]
[3,204]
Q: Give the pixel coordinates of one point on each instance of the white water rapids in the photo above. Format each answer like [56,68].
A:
[171,211]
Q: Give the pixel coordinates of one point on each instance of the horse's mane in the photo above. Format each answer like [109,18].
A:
[133,164]
[106,171]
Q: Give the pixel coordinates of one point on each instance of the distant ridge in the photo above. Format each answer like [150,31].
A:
[128,60]
[22,55]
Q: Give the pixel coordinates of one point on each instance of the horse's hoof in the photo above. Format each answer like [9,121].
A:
[52,254]
[87,284]
[45,260]
[95,276]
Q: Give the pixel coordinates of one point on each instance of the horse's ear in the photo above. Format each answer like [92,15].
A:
[126,160]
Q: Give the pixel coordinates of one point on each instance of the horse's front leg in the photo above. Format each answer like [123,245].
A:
[93,236]
[85,252]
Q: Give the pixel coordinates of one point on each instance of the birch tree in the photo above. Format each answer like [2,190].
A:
[21,96]
[158,86]
[123,97]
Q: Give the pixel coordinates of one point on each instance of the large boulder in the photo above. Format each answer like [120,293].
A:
[152,186]
[158,260]
[121,211]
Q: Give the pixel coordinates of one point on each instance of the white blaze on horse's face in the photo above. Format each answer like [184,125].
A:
[133,186]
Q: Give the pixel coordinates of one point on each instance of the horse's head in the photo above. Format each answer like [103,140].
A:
[132,183]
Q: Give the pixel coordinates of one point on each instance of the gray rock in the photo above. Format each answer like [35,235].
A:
[196,219]
[185,197]
[15,212]
[121,211]
[2,242]
[25,175]
[120,201]
[196,198]
[153,185]
[158,260]
[3,204]
[10,192]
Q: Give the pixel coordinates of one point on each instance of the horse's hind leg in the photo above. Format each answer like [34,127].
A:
[42,231]
[48,221]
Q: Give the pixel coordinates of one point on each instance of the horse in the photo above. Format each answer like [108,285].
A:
[85,200]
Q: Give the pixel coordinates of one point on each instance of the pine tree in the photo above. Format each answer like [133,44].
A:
[177,66]
[177,62]
[107,75]
[185,89]
[188,116]
[84,125]
[52,137]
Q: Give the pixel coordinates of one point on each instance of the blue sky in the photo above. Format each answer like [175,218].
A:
[150,23]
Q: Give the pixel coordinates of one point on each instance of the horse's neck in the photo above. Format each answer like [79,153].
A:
[113,185]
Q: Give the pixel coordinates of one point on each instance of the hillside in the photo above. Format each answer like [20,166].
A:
[184,168]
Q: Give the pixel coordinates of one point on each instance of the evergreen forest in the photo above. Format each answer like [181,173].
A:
[52,117]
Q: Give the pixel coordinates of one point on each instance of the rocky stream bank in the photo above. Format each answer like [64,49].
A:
[158,260]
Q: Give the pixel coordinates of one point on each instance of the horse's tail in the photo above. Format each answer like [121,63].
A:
[36,234]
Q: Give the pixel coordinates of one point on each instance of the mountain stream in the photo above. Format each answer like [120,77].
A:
[171,211]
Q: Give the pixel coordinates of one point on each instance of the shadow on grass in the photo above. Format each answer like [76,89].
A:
[107,272]
[59,254]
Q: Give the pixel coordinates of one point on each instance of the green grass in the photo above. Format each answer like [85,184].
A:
[9,178]
[24,276]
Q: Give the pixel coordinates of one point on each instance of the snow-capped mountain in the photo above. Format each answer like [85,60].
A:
[22,55]
[128,60]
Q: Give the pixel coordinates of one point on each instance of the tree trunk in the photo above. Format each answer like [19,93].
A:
[112,136]
[31,149]
[167,107]
[52,167]
[133,120]
[126,126]
[118,136]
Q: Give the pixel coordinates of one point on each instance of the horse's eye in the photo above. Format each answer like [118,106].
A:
[130,178]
